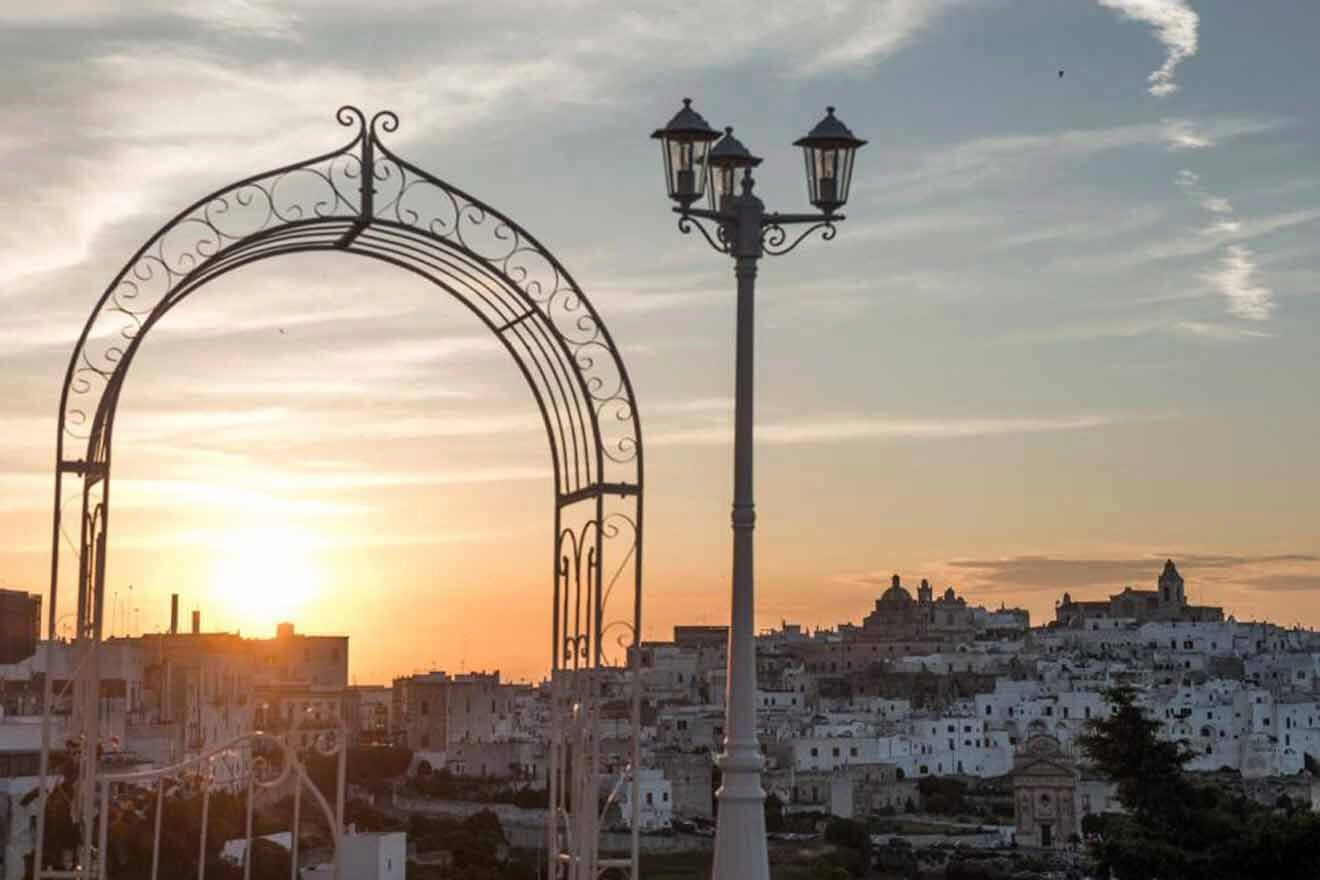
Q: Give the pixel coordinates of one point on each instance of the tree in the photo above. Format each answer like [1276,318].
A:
[1178,829]
[774,813]
[851,836]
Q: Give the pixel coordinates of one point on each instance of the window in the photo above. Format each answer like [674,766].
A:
[989,710]
[815,752]
[835,751]
[1065,711]
[852,751]
[650,799]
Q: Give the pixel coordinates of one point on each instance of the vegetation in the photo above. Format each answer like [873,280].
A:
[444,785]
[944,796]
[854,845]
[1177,828]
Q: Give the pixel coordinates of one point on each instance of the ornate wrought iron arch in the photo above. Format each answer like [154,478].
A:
[364,199]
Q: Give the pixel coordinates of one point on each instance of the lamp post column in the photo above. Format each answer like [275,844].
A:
[740,847]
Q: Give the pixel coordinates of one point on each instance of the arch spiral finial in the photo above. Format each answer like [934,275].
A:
[349,115]
[386,121]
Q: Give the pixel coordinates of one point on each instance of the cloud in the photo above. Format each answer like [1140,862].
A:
[1209,330]
[1181,134]
[838,430]
[1236,280]
[1044,572]
[877,28]
[1175,24]
[979,161]
[1285,583]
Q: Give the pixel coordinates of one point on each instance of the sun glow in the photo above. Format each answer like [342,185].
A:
[264,575]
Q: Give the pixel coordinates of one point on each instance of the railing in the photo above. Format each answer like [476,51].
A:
[232,766]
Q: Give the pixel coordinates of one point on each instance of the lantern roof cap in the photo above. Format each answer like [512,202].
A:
[687,122]
[830,132]
[731,152]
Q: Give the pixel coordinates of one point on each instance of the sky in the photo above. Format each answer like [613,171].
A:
[1067,330]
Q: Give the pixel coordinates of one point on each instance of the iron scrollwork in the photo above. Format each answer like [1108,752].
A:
[721,241]
[773,235]
[363,198]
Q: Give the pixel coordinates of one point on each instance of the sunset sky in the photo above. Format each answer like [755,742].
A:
[1069,328]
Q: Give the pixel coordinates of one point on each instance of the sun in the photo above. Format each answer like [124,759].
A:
[265,575]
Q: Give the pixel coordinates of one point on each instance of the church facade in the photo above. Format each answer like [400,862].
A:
[898,616]
[1044,792]
[1167,602]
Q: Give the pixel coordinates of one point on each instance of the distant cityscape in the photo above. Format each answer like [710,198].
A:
[851,719]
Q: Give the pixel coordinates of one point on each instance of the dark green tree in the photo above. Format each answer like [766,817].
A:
[1176,828]
[774,813]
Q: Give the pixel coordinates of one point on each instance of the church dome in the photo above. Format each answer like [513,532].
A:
[896,593]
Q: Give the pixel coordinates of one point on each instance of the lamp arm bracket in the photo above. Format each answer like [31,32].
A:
[721,240]
[774,218]
[774,235]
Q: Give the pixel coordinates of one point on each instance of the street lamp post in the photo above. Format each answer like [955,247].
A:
[744,230]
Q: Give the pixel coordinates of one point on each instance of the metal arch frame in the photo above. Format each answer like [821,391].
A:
[364,199]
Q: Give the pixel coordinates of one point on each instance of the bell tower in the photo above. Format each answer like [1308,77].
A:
[1171,586]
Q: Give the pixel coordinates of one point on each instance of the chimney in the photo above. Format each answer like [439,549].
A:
[174,614]
[197,622]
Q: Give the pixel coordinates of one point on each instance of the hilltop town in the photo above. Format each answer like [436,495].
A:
[929,707]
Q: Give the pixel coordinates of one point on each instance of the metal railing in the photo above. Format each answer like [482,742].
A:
[239,764]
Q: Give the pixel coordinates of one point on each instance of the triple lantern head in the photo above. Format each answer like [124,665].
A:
[694,152]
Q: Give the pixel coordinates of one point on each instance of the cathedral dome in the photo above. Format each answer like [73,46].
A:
[896,594]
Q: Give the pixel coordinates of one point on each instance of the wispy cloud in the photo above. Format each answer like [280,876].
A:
[1235,276]
[877,28]
[1236,279]
[825,429]
[1047,572]
[1217,331]
[977,162]
[1175,24]
[1182,134]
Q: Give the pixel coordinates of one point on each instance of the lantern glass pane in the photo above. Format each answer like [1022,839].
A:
[827,176]
[847,155]
[808,154]
[723,180]
[666,153]
[682,182]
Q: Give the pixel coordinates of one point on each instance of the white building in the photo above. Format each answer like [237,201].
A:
[657,802]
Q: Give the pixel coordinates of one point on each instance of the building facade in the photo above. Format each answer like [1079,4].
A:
[1045,794]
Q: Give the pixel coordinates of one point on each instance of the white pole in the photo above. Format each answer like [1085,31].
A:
[740,848]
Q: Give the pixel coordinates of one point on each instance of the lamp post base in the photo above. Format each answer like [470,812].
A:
[740,850]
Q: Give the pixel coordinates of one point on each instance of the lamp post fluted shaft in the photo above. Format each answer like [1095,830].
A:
[740,849]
